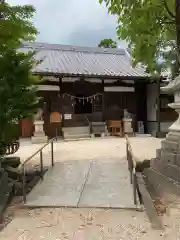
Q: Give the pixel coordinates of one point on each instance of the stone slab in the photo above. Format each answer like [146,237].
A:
[168,170]
[148,204]
[108,185]
[168,157]
[62,185]
[85,183]
[170,146]
[39,139]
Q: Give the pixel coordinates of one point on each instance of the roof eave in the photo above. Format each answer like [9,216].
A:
[103,77]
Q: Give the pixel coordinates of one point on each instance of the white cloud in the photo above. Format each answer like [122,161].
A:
[59,21]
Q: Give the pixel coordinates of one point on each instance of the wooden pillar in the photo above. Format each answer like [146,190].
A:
[103,102]
[60,96]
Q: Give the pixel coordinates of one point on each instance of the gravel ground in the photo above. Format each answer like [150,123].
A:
[143,147]
[78,224]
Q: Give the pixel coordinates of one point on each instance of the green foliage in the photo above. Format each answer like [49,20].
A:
[15,26]
[18,98]
[18,93]
[107,43]
[149,28]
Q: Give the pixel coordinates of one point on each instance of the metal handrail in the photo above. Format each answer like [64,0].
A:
[41,164]
[132,164]
[89,123]
[87,120]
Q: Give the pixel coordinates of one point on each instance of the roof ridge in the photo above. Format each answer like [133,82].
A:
[61,47]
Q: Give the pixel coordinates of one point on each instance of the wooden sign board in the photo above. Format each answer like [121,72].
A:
[55,117]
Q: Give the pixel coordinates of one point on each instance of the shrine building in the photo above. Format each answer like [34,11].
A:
[84,85]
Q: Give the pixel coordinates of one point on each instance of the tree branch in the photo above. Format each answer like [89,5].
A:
[168,10]
[169,22]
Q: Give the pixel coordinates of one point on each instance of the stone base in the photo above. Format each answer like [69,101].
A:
[167,160]
[173,136]
[39,139]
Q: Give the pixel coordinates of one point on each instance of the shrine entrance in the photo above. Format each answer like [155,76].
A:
[83,105]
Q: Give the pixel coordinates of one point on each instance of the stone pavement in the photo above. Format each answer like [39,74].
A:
[85,223]
[95,183]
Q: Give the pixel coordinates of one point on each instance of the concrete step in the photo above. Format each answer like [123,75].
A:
[68,136]
[76,130]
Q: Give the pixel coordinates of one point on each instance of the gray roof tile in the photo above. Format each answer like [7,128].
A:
[67,60]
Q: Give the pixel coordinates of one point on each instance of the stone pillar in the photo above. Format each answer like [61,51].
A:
[127,126]
[39,135]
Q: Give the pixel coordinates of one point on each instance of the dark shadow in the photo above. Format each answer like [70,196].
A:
[82,106]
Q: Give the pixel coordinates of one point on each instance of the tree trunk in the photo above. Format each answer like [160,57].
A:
[177,11]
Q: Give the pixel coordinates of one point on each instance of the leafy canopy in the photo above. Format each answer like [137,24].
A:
[107,43]
[16,26]
[148,26]
[18,97]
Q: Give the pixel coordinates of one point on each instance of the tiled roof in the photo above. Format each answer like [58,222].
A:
[70,60]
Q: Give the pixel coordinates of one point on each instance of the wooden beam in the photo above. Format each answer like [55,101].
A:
[118,89]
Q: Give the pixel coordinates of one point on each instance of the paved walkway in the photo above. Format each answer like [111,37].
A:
[95,183]
[89,173]
[86,223]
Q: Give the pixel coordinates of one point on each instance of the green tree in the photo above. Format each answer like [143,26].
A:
[18,97]
[107,43]
[15,25]
[150,28]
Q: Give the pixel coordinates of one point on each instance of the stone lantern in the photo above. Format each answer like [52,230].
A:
[174,88]
[167,160]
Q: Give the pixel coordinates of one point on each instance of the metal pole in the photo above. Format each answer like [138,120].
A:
[135,188]
[24,184]
[41,164]
[52,154]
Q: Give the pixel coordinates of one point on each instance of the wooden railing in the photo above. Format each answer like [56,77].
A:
[41,164]
[132,164]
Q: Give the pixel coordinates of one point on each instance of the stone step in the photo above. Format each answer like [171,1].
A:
[76,130]
[76,136]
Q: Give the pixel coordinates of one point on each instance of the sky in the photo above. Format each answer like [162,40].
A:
[74,22]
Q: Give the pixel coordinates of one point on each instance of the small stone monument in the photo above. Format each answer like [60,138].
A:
[39,135]
[127,123]
[168,157]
